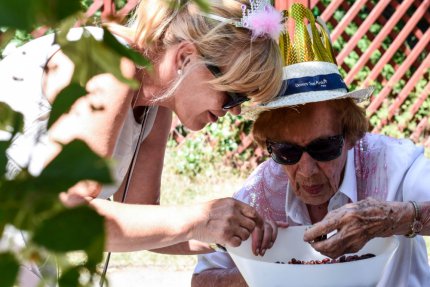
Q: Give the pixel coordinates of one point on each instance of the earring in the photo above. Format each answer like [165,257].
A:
[179,71]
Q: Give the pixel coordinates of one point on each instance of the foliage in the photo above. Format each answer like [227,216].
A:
[31,203]
[199,153]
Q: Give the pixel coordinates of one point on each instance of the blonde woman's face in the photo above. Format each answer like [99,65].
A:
[196,102]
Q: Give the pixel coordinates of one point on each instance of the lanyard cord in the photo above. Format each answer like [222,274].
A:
[128,180]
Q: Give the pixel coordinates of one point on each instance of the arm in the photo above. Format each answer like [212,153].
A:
[359,222]
[133,227]
[192,247]
[219,278]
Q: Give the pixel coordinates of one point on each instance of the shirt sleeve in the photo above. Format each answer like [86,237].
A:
[215,260]
[416,185]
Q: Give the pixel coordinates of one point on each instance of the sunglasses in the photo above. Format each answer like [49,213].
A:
[321,149]
[234,99]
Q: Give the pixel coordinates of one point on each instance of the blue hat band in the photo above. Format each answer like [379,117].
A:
[317,83]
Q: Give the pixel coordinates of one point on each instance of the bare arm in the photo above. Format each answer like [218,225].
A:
[133,227]
[219,278]
[359,222]
[192,247]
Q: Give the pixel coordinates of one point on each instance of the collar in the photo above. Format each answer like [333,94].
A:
[296,209]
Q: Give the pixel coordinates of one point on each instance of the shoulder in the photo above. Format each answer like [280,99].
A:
[392,149]
[268,175]
[265,189]
[382,163]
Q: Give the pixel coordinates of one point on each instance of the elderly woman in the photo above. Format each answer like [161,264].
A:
[326,171]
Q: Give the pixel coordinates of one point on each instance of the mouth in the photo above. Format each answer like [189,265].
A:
[212,117]
[313,189]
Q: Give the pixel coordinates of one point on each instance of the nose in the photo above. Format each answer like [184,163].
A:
[235,110]
[307,165]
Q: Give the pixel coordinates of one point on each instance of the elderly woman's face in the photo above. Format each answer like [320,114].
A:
[314,182]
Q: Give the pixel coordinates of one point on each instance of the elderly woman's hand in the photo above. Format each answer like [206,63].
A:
[357,223]
[261,241]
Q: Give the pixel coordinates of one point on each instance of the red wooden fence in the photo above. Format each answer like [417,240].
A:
[402,101]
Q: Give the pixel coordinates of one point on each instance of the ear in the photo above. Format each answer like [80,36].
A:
[186,51]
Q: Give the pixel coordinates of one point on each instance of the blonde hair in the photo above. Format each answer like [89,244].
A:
[270,124]
[251,66]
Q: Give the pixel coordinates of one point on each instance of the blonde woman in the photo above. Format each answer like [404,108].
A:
[203,66]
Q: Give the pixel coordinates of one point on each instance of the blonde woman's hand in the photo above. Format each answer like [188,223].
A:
[226,221]
[265,240]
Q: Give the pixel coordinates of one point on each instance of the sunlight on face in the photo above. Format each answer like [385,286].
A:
[196,102]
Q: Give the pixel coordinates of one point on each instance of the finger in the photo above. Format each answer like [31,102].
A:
[257,237]
[267,238]
[321,228]
[332,247]
[72,200]
[247,223]
[242,233]
[274,233]
[251,213]
[282,224]
[233,241]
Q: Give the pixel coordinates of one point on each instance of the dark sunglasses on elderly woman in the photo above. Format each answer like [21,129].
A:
[234,99]
[321,149]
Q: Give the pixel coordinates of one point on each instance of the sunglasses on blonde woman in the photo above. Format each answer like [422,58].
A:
[321,149]
[234,99]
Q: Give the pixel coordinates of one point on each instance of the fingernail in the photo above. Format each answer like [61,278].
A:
[263,251]
[257,251]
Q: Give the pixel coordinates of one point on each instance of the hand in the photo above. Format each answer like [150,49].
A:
[356,224]
[81,193]
[264,239]
[226,221]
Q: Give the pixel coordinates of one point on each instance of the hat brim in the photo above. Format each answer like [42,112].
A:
[360,95]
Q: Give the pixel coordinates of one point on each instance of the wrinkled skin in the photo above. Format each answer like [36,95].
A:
[356,224]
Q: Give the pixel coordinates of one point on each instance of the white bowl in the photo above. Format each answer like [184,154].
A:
[264,271]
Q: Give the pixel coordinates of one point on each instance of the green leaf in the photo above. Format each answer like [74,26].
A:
[203,5]
[3,158]
[70,278]
[27,14]
[9,267]
[71,230]
[65,100]
[122,50]
[10,120]
[92,57]
[76,162]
